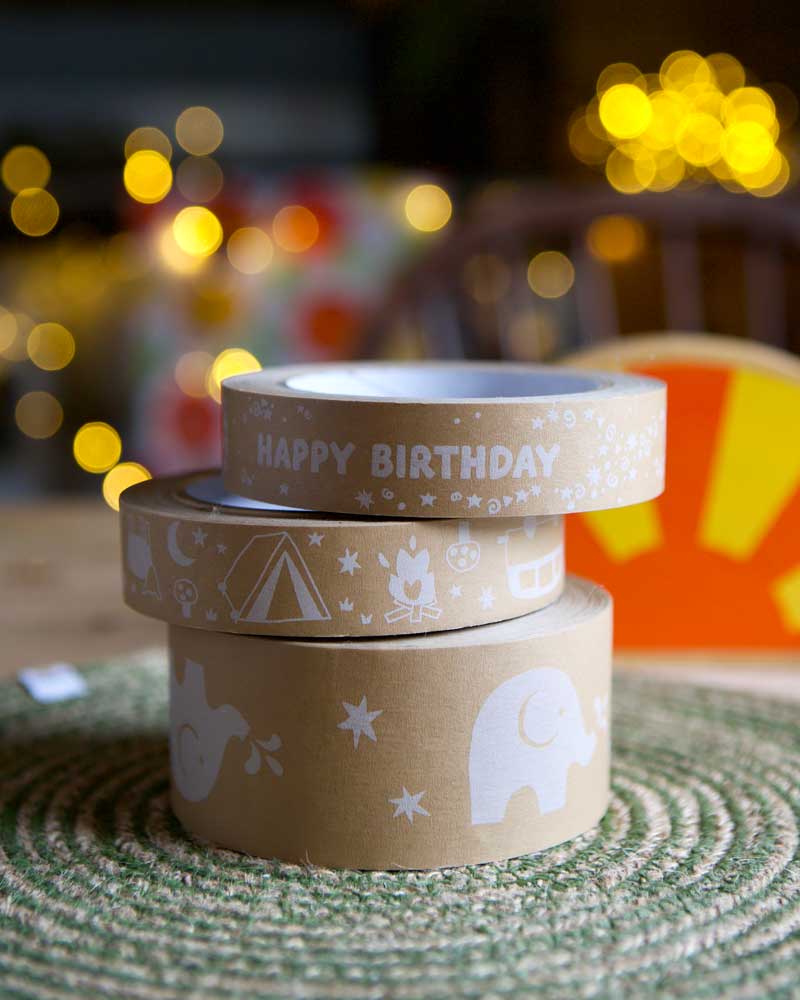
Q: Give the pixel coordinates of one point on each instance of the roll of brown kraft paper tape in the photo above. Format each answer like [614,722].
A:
[444,439]
[194,555]
[420,752]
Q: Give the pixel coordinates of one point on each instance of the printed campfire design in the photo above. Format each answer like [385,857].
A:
[320,579]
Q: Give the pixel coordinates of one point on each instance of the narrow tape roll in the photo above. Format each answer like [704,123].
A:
[444,439]
[194,555]
[422,752]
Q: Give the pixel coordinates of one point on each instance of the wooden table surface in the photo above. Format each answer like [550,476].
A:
[61,600]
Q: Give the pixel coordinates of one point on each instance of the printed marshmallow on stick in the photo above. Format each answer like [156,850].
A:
[420,752]
[194,555]
[444,439]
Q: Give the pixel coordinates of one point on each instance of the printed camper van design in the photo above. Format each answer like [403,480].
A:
[529,575]
[270,582]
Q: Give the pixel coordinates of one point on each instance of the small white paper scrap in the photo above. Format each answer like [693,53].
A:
[55,682]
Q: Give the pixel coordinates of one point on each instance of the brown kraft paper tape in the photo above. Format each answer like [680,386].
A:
[444,439]
[194,555]
[422,752]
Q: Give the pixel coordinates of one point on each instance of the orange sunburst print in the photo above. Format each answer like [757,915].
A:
[713,564]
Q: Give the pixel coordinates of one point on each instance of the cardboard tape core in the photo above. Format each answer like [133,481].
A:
[445,439]
[420,752]
[196,555]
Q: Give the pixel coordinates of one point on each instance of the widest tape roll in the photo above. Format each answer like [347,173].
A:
[444,439]
[194,555]
[421,752]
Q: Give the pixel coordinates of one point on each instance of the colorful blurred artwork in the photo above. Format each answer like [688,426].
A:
[719,553]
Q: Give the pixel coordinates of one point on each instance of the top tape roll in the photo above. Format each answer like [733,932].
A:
[444,439]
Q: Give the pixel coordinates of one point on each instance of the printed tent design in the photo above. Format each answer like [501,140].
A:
[269,581]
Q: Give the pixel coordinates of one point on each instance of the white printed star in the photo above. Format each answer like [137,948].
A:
[474,500]
[349,562]
[408,804]
[364,499]
[222,548]
[593,475]
[315,538]
[537,423]
[487,598]
[427,499]
[359,720]
[522,496]
[588,414]
[284,488]
[631,442]
[632,474]
[199,536]
[552,414]
[536,490]
[455,590]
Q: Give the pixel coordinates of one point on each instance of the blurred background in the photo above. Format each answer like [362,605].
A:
[189,194]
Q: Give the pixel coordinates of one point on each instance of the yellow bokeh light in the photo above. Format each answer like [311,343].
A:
[50,346]
[118,479]
[38,415]
[551,274]
[197,231]
[233,361]
[764,176]
[199,130]
[199,179]
[683,68]
[25,167]
[668,109]
[703,123]
[250,250]
[728,71]
[770,188]
[173,258]
[750,104]
[487,278]
[295,228]
[619,72]
[428,208]
[670,171]
[584,144]
[747,147]
[96,447]
[148,138]
[621,173]
[34,211]
[625,111]
[615,238]
[8,330]
[699,138]
[191,373]
[147,176]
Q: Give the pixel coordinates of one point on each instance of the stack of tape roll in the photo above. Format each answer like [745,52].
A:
[376,658]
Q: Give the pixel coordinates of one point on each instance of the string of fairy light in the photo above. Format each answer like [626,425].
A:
[184,245]
[698,120]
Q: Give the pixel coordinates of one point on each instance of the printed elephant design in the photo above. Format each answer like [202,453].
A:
[527,733]
[198,734]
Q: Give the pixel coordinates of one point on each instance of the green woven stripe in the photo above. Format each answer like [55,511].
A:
[689,887]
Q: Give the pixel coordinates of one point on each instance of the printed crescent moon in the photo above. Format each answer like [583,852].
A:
[174,549]
[521,727]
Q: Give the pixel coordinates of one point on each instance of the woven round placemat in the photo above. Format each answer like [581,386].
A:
[689,887]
